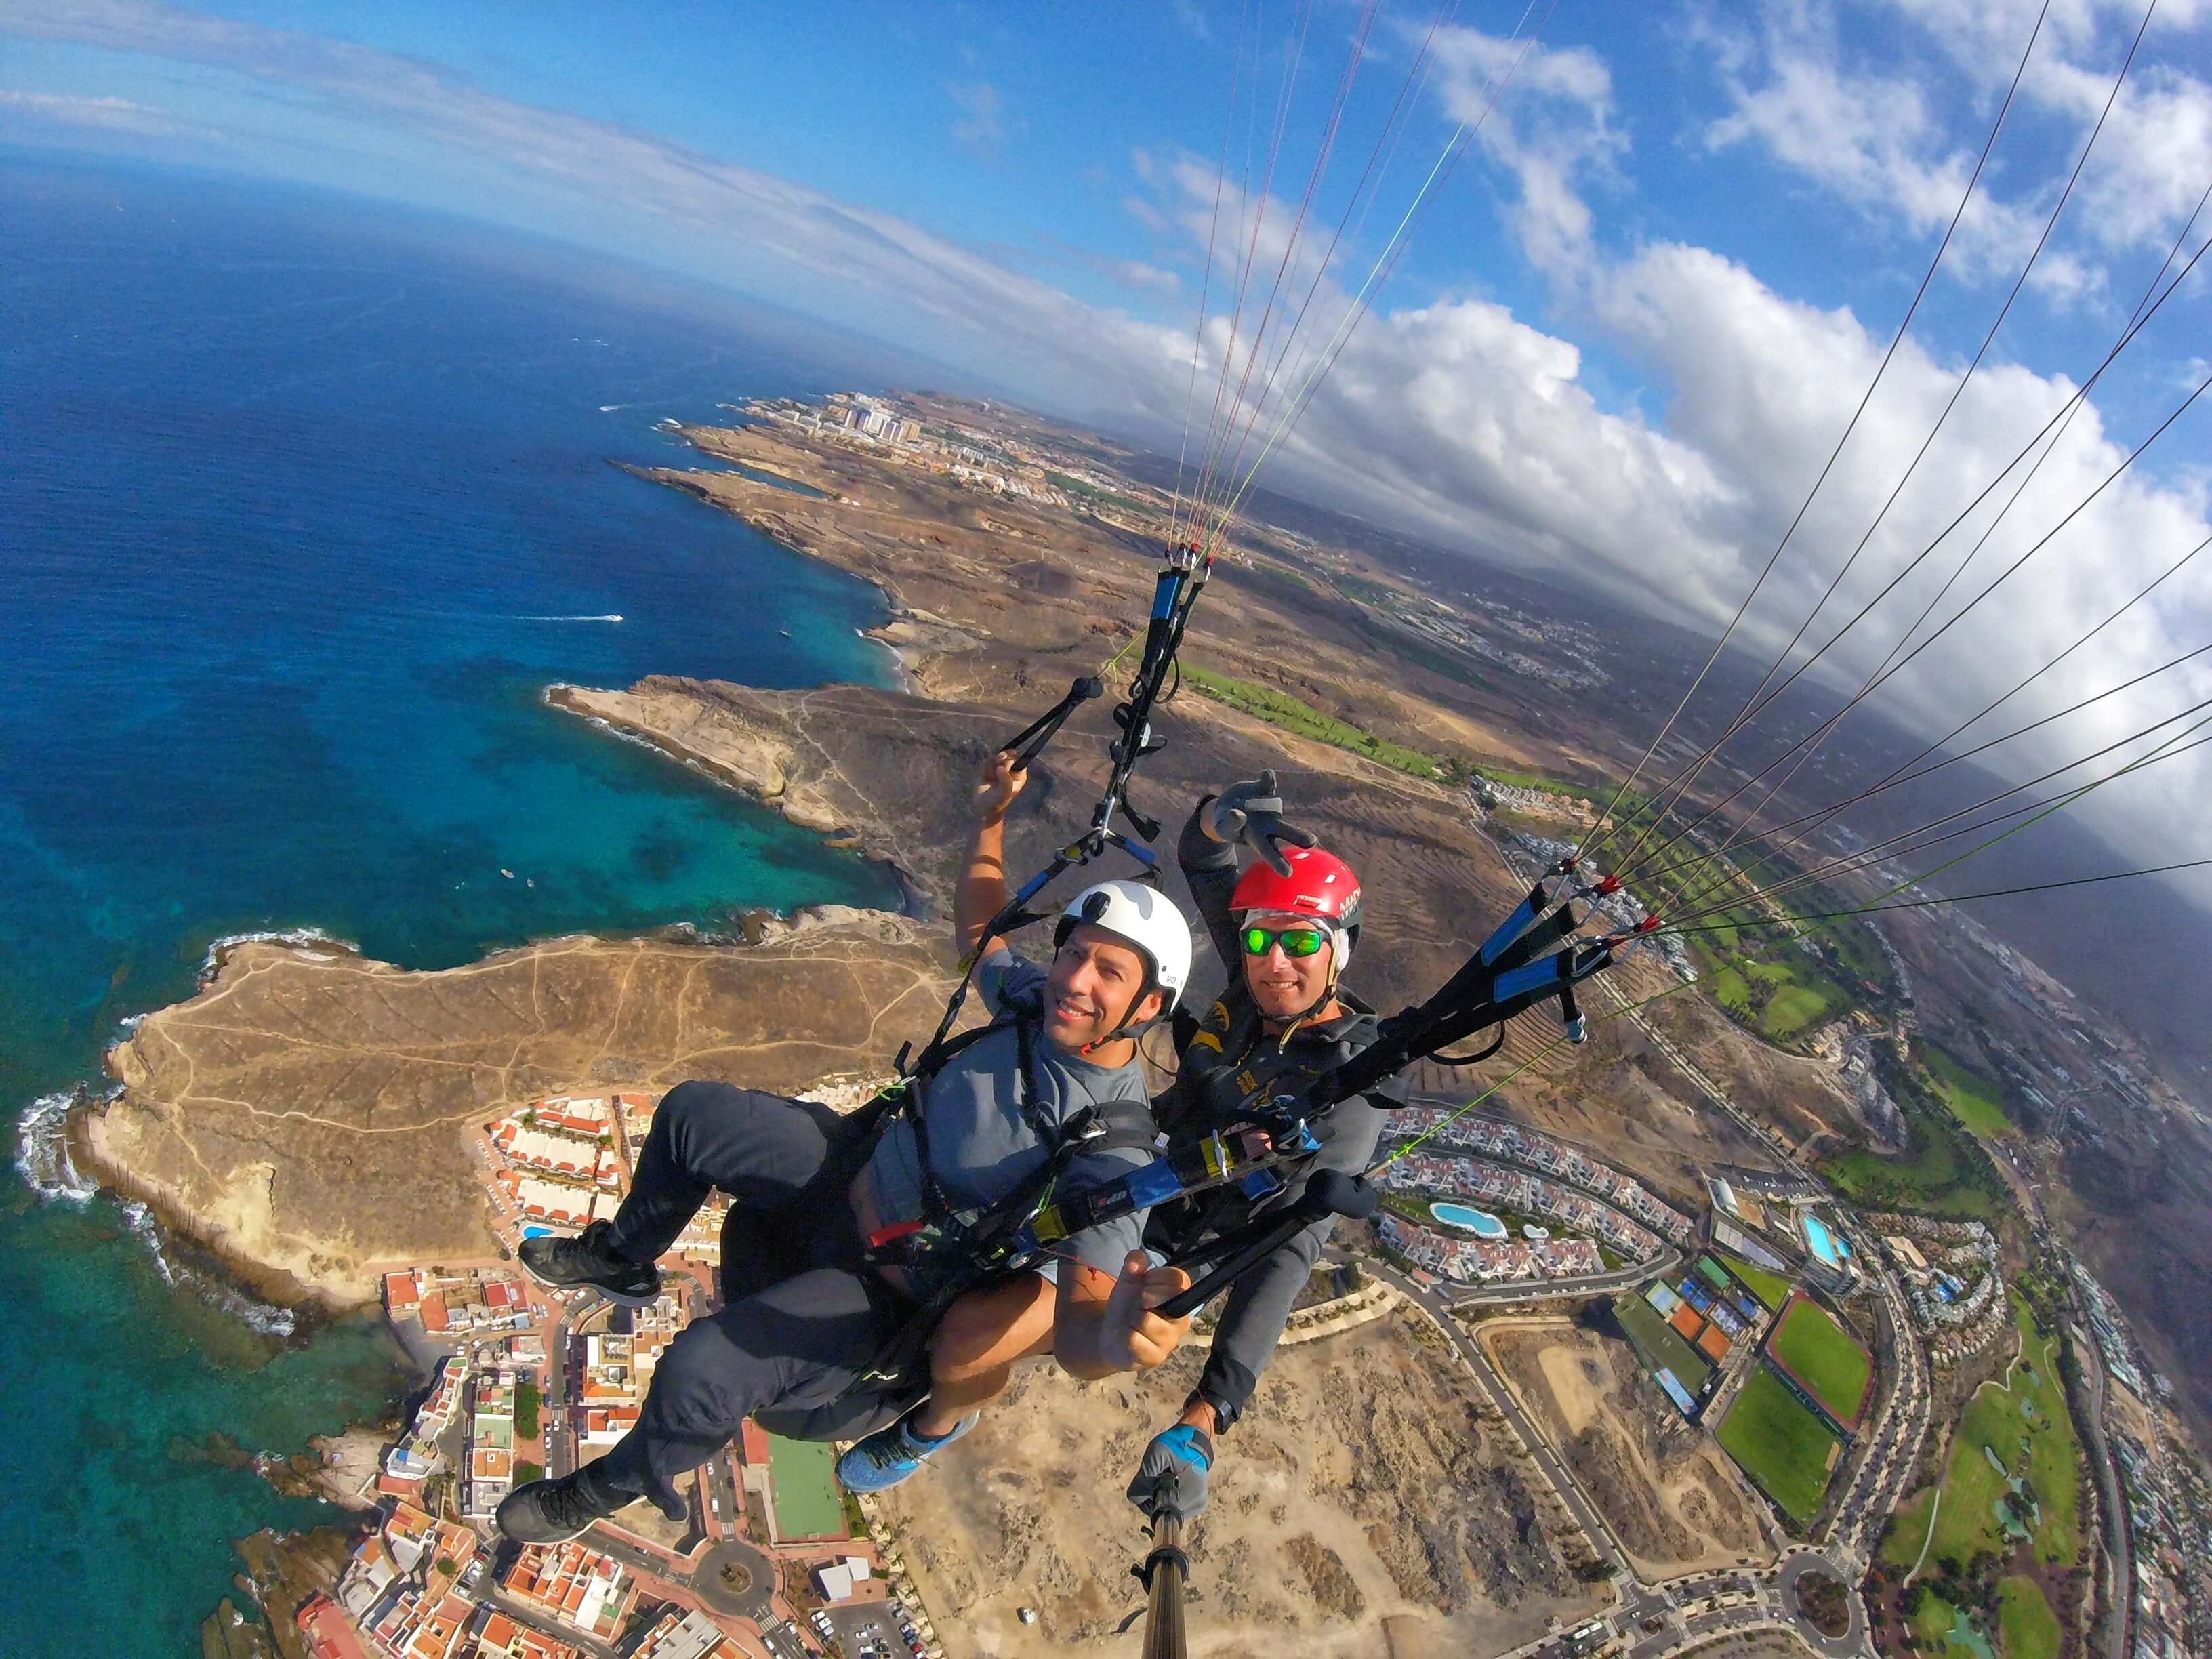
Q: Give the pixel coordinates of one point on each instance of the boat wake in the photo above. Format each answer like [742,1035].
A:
[614,617]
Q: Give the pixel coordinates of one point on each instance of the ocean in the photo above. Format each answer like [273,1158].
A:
[304,503]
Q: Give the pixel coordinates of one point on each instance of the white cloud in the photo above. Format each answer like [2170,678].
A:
[1887,130]
[1553,132]
[985,124]
[121,115]
[1454,415]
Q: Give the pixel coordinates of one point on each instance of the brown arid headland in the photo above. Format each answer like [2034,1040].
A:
[305,1114]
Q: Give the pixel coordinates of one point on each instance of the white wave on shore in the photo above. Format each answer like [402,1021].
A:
[43,1158]
[42,1150]
[303,939]
[620,735]
[249,1312]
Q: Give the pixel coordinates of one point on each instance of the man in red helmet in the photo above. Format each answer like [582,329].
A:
[1284,929]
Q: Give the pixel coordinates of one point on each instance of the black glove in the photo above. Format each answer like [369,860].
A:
[1252,813]
[1171,1480]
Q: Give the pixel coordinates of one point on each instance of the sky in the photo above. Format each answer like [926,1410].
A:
[1654,257]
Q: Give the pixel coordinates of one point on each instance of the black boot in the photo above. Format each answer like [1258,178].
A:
[586,1262]
[554,1511]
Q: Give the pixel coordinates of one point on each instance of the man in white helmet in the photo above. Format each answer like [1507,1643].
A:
[866,1226]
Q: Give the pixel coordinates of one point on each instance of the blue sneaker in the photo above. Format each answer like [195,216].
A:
[889,1456]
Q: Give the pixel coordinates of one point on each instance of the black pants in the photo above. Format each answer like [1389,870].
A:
[802,1318]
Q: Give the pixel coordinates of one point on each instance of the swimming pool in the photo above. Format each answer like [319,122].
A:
[1824,1243]
[537,1232]
[1468,1220]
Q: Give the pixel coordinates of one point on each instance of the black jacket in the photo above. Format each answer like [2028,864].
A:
[1219,1054]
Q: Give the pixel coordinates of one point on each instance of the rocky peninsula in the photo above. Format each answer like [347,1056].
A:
[303,1115]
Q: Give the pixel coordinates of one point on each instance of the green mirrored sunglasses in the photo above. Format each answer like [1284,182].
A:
[1294,941]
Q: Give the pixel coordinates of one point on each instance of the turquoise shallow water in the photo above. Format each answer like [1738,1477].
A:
[303,507]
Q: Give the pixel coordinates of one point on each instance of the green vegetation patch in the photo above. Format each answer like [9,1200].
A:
[1972,1099]
[803,1475]
[1908,1533]
[2027,1627]
[1660,1344]
[1822,1355]
[2026,1426]
[1365,592]
[1771,1289]
[526,1402]
[1730,991]
[1935,1175]
[1076,487]
[1279,708]
[1796,996]
[1780,1445]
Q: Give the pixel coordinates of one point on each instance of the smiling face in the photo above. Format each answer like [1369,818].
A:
[1283,985]
[1094,977]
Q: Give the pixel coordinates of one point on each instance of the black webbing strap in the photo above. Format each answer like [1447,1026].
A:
[1028,743]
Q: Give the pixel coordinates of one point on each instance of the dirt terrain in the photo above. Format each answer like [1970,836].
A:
[1677,1504]
[305,1113]
[1359,1493]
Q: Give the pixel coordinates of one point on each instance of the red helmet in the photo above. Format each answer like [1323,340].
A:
[1320,884]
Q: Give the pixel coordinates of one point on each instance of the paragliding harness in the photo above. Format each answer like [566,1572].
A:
[1275,1146]
[954,1249]
[960,1250]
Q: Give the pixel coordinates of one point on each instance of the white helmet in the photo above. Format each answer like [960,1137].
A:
[1146,919]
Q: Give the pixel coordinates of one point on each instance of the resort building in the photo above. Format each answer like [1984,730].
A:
[578,1586]
[682,1633]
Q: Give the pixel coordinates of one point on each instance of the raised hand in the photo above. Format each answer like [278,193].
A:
[1252,813]
[999,781]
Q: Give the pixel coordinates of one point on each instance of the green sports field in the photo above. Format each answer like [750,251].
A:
[1771,1289]
[808,1504]
[1780,1445]
[1661,1344]
[1822,1356]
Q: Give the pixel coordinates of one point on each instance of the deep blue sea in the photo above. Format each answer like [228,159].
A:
[302,504]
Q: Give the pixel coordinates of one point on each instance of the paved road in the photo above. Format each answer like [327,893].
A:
[2108,1491]
[1852,1641]
[1712,1091]
[1552,1290]
[524,1613]
[706,1582]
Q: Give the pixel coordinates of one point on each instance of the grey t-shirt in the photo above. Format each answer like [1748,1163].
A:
[981,1145]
